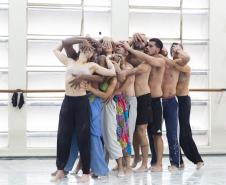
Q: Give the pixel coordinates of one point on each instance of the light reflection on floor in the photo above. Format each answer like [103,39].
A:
[37,172]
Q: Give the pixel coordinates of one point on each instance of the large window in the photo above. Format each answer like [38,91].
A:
[4,72]
[44,71]
[186,23]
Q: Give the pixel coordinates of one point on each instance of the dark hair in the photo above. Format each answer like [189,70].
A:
[158,43]
[175,44]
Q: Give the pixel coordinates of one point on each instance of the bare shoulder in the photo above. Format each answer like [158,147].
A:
[128,66]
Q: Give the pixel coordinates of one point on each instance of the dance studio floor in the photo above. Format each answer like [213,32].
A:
[37,172]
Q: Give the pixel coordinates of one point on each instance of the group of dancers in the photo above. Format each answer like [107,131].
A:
[116,97]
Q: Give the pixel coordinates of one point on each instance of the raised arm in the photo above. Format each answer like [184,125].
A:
[121,76]
[184,69]
[58,53]
[104,71]
[68,45]
[174,63]
[157,62]
[181,54]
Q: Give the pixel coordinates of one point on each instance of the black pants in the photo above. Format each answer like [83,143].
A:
[74,114]
[186,141]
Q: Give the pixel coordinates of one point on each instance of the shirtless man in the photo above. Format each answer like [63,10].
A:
[184,101]
[170,109]
[154,47]
[75,110]
[142,92]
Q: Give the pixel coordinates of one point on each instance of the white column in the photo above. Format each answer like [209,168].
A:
[120,19]
[217,74]
[17,74]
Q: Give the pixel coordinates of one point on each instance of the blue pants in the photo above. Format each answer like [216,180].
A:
[97,162]
[73,153]
[170,114]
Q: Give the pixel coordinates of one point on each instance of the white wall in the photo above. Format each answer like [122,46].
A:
[217,60]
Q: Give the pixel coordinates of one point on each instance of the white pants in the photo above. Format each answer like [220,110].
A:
[109,126]
[132,106]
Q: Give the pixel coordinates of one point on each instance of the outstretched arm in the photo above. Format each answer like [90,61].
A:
[103,71]
[121,76]
[154,61]
[174,63]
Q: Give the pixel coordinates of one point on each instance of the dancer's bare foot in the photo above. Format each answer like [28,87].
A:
[135,162]
[121,173]
[115,168]
[54,173]
[59,175]
[128,171]
[141,169]
[173,168]
[156,168]
[84,178]
[181,167]
[199,165]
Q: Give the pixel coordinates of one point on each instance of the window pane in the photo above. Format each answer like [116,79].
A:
[4,54]
[3,139]
[97,24]
[97,3]
[170,3]
[4,116]
[198,54]
[54,21]
[3,22]
[150,24]
[3,84]
[42,116]
[200,116]
[55,1]
[199,82]
[195,26]
[42,122]
[41,139]
[46,80]
[40,53]
[195,3]
[4,123]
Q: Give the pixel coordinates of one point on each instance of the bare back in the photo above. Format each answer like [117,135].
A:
[183,84]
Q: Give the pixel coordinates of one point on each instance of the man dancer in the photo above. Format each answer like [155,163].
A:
[142,92]
[154,47]
[186,141]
